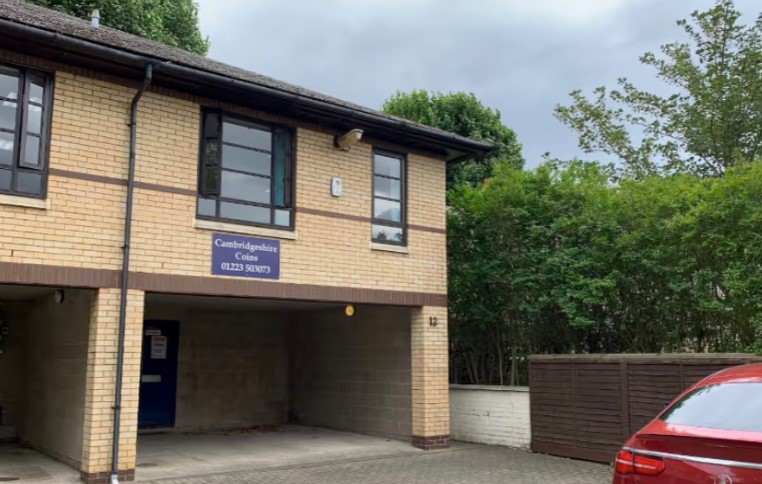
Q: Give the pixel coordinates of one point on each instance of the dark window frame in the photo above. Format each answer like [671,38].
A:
[20,134]
[290,170]
[403,198]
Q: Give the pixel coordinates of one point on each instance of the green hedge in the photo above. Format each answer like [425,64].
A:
[561,259]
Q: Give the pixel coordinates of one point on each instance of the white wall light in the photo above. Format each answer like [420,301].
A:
[348,139]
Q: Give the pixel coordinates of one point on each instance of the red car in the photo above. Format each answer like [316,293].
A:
[710,434]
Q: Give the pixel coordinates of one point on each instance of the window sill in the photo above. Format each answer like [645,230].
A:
[244,229]
[400,249]
[19,201]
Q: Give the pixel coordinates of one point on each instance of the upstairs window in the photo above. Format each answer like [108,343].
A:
[388,222]
[25,99]
[246,171]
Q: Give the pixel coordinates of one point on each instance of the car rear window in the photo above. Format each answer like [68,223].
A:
[727,406]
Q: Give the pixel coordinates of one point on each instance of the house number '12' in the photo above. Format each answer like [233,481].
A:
[433,321]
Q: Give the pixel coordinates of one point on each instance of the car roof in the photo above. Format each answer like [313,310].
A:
[736,374]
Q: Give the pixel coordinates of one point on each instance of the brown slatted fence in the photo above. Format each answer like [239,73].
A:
[586,406]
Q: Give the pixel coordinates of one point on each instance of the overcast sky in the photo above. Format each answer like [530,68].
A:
[520,56]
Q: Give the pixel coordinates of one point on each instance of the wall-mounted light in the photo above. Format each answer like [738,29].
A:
[58,296]
[349,310]
[348,139]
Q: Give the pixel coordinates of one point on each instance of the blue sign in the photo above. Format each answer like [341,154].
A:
[245,256]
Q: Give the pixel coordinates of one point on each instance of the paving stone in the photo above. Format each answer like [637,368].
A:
[463,464]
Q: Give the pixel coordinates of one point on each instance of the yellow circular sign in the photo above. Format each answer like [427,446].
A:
[349,310]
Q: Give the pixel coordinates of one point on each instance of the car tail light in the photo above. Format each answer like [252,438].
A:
[631,463]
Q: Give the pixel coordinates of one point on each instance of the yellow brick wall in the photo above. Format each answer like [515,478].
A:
[101,375]
[431,390]
[83,228]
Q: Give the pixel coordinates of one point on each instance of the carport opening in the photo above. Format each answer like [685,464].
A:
[263,368]
[43,363]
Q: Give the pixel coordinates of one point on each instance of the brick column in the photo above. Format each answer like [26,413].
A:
[99,392]
[431,401]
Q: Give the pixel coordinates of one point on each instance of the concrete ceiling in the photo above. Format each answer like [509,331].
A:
[9,292]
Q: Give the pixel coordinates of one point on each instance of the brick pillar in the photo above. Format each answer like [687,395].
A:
[99,392]
[431,398]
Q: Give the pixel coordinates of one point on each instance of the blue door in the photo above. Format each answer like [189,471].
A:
[158,374]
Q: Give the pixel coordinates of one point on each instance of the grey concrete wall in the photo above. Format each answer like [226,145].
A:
[352,373]
[232,368]
[56,341]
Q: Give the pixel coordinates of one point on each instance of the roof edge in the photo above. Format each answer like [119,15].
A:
[458,148]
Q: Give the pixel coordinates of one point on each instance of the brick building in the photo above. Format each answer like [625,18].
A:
[254,219]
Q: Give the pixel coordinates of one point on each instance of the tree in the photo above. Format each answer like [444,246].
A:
[558,259]
[712,121]
[173,22]
[460,113]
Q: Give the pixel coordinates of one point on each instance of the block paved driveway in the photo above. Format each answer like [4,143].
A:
[464,463]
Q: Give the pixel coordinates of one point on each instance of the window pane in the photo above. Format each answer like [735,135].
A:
[29,183]
[5,179]
[391,234]
[210,183]
[386,187]
[740,404]
[211,126]
[207,207]
[211,155]
[34,119]
[387,166]
[7,114]
[6,148]
[280,152]
[283,217]
[387,210]
[245,187]
[37,90]
[32,150]
[245,160]
[248,213]
[9,83]
[245,136]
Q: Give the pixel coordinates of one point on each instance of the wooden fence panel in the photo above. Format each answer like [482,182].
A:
[586,406]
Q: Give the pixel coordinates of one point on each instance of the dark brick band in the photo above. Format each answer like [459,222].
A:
[103,477]
[62,276]
[357,218]
[219,286]
[121,182]
[192,193]
[50,275]
[435,442]
[327,213]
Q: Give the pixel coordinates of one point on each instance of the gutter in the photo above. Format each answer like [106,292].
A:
[125,282]
[113,55]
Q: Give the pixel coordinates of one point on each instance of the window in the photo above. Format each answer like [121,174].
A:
[388,221]
[245,171]
[24,126]
[740,404]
